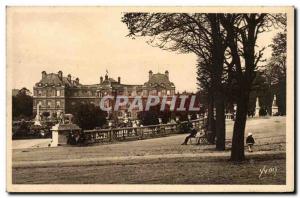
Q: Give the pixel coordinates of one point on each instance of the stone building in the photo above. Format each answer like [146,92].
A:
[56,93]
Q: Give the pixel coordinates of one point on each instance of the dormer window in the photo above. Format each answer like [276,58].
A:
[40,84]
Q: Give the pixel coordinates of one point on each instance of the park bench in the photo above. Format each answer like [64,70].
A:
[200,137]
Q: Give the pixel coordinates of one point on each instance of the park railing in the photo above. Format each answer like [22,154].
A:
[135,133]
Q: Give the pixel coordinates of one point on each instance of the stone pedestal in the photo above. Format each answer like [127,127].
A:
[54,130]
[274,110]
[60,133]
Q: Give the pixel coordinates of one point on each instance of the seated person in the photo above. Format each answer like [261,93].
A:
[200,135]
[192,134]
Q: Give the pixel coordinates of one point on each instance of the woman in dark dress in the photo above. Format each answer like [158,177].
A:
[250,141]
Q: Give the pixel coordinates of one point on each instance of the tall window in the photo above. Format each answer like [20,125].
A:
[57,92]
[57,104]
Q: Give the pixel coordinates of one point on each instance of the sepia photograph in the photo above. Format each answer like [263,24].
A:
[150,99]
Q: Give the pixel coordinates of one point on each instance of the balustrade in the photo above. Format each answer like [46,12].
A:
[129,133]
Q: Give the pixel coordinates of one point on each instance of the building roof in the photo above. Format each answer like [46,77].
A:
[108,81]
[155,80]
[53,79]
[159,80]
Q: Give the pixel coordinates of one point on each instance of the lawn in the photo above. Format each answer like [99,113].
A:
[160,171]
[157,161]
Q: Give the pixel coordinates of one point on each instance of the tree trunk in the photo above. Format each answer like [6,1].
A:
[210,119]
[220,121]
[237,150]
[218,62]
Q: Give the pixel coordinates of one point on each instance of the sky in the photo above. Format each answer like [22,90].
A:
[85,42]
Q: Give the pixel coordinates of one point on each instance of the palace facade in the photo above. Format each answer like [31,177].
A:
[56,93]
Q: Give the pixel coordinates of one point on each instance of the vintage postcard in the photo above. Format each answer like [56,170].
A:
[150,99]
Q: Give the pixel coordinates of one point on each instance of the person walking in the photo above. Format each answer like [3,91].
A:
[250,142]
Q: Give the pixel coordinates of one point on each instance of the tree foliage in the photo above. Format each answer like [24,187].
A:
[22,105]
[276,69]
[151,117]
[89,116]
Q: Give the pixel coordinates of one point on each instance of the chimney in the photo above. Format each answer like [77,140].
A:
[150,74]
[106,77]
[60,74]
[44,74]
[119,80]
[167,73]
[77,81]
[101,79]
[69,77]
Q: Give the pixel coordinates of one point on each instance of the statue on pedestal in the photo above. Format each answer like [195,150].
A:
[38,116]
[61,118]
[257,107]
[274,106]
[233,115]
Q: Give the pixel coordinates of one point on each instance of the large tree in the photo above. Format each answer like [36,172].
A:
[242,32]
[197,33]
